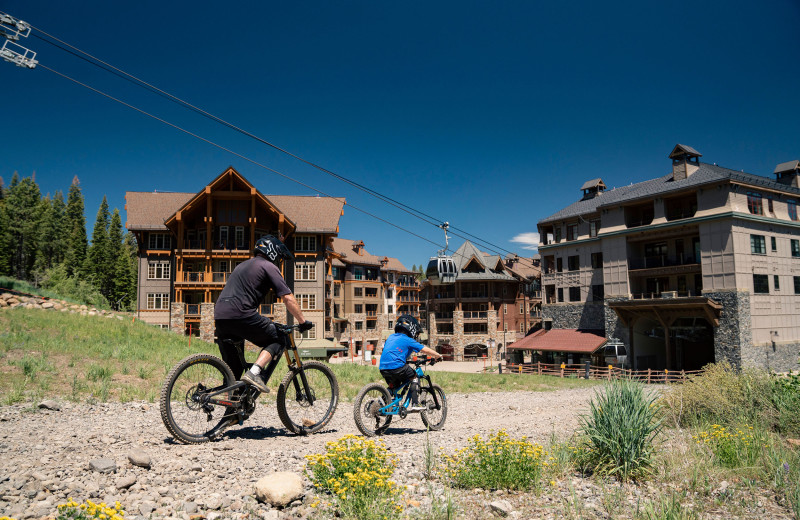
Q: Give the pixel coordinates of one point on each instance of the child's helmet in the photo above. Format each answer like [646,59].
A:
[273,249]
[408,325]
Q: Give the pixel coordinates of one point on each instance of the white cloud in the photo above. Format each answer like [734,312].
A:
[530,241]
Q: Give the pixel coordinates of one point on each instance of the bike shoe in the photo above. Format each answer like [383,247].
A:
[255,380]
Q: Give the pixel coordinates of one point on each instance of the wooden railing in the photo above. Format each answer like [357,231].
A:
[649,376]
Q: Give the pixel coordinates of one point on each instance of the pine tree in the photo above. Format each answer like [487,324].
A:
[5,253]
[46,242]
[22,210]
[76,226]
[119,270]
[97,257]
[131,253]
[61,226]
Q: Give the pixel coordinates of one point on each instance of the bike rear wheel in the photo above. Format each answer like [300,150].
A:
[431,417]
[185,414]
[295,409]
[368,402]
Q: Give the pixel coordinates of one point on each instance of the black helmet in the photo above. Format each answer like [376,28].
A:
[408,325]
[273,249]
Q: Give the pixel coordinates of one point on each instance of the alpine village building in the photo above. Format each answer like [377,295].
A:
[699,265]
[488,303]
[190,242]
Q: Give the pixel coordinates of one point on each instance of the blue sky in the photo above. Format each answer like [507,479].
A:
[487,115]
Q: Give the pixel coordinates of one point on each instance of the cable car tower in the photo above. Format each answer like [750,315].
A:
[12,29]
[441,268]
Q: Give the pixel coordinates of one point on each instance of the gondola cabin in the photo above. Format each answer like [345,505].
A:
[441,270]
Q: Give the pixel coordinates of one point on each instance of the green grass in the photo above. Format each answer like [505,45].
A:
[77,357]
[25,287]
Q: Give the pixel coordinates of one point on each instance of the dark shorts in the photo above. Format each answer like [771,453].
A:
[395,377]
[256,329]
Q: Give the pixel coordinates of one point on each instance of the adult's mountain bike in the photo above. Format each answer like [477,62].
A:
[201,398]
[376,405]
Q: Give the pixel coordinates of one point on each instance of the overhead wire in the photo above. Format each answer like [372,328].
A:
[93,60]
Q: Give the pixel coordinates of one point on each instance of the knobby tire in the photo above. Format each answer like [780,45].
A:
[294,410]
[364,406]
[433,418]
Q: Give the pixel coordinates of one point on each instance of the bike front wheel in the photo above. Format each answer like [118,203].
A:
[184,407]
[432,416]
[308,409]
[366,409]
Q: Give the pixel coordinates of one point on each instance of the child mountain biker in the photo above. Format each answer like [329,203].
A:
[394,368]
[236,313]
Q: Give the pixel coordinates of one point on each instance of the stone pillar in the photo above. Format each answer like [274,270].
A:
[177,318]
[458,335]
[279,313]
[733,339]
[433,337]
[207,322]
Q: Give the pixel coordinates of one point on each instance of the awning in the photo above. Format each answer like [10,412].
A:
[562,340]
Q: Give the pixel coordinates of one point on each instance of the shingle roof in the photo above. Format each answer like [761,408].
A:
[705,174]
[343,245]
[562,340]
[310,214]
[787,166]
[149,210]
[592,183]
[465,253]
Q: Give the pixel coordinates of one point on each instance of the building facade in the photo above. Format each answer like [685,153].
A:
[190,242]
[366,294]
[490,303]
[699,265]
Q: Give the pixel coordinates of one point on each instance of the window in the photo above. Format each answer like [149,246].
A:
[505,308]
[337,273]
[795,248]
[308,302]
[594,227]
[390,309]
[305,271]
[223,266]
[560,294]
[559,264]
[337,290]
[308,334]
[159,241]
[358,308]
[359,325]
[769,204]
[522,308]
[358,273]
[597,260]
[358,292]
[505,327]
[797,284]
[158,270]
[573,262]
[371,292]
[760,284]
[792,204]
[239,236]
[758,245]
[754,203]
[305,243]
[774,242]
[572,231]
[223,237]
[390,292]
[557,234]
[776,282]
[574,294]
[598,292]
[158,301]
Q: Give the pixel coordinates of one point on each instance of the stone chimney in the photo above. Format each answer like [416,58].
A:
[592,188]
[685,161]
[788,173]
[358,246]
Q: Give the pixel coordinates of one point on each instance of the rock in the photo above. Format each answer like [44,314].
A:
[147,507]
[190,507]
[48,305]
[103,465]
[49,404]
[279,489]
[501,507]
[140,458]
[126,482]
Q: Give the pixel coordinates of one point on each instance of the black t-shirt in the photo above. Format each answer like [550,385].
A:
[246,287]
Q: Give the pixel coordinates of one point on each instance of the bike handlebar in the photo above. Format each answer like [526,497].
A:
[286,329]
[424,360]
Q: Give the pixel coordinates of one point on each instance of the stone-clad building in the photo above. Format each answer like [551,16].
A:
[190,242]
[366,295]
[490,303]
[698,265]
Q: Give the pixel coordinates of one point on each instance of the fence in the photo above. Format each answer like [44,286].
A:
[649,376]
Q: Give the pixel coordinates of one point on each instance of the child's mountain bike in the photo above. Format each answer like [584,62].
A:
[375,405]
[201,398]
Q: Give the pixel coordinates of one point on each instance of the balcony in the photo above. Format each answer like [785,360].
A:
[652,262]
[193,277]
[192,309]
[483,295]
[219,277]
[475,315]
[444,315]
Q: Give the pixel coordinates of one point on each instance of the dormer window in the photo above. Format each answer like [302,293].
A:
[754,203]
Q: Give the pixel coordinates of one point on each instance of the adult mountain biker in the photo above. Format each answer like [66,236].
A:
[394,368]
[237,317]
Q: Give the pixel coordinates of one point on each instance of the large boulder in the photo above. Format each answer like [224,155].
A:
[279,489]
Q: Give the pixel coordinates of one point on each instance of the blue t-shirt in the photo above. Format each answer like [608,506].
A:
[396,350]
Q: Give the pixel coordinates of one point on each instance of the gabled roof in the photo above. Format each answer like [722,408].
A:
[147,211]
[562,340]
[345,248]
[682,149]
[705,174]
[468,253]
[787,167]
[594,183]
[311,214]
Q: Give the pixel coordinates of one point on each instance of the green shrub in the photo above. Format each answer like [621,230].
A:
[732,447]
[619,431]
[722,395]
[500,462]
[667,508]
[786,399]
